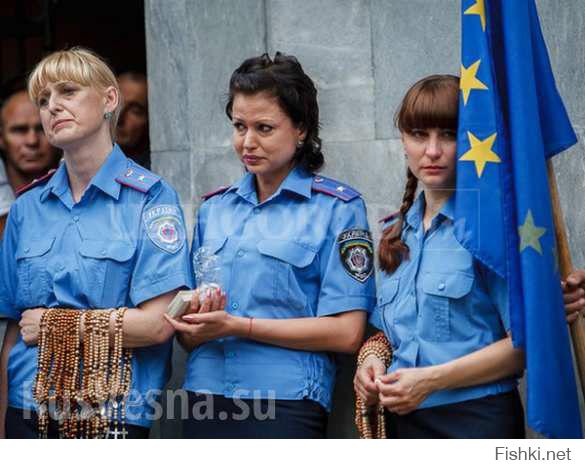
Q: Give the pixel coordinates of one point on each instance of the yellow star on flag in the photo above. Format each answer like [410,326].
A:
[481,152]
[477,9]
[530,234]
[469,81]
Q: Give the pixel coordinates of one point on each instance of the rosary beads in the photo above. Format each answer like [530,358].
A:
[83,382]
[371,423]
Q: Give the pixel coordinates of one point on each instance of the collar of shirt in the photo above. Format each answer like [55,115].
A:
[415,214]
[105,178]
[298,181]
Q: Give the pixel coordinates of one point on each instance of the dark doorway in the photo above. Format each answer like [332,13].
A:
[29,29]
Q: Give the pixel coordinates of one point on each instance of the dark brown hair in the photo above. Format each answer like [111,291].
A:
[430,103]
[284,78]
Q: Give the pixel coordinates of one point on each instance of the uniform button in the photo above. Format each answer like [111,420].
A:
[437,317]
[256,210]
[26,249]
[240,253]
[235,305]
[441,286]
[76,218]
[104,252]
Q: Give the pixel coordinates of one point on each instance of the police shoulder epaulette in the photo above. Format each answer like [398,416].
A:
[36,182]
[138,178]
[390,217]
[219,190]
[334,188]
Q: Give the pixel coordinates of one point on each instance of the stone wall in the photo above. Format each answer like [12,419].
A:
[363,55]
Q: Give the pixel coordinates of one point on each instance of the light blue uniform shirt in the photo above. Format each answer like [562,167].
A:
[281,259]
[441,304]
[122,244]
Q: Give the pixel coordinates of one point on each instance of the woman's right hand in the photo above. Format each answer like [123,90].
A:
[364,381]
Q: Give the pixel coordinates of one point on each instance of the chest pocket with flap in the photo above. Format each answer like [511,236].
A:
[442,292]
[280,275]
[32,256]
[106,270]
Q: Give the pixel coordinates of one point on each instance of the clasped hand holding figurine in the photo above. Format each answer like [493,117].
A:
[207,320]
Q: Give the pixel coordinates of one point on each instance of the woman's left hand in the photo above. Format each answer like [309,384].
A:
[212,325]
[403,390]
[30,325]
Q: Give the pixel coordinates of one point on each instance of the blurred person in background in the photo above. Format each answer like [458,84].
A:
[26,151]
[132,131]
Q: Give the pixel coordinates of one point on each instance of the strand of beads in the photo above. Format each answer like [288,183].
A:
[371,423]
[88,365]
[40,386]
[117,391]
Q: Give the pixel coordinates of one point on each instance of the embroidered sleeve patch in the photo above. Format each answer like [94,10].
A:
[165,228]
[357,253]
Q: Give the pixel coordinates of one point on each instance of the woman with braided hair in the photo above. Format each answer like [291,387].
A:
[91,257]
[454,368]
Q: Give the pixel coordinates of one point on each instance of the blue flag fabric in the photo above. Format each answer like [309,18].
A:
[511,119]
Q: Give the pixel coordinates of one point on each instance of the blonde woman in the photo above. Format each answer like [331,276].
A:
[101,232]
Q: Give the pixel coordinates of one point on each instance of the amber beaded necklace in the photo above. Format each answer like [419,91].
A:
[371,423]
[83,383]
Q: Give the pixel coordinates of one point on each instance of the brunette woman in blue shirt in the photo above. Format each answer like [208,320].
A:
[297,269]
[454,370]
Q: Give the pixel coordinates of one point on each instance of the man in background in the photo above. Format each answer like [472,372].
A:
[26,152]
[132,132]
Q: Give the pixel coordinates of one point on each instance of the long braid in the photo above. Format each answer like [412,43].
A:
[392,249]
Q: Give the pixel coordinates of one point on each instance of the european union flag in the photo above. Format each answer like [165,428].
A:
[511,119]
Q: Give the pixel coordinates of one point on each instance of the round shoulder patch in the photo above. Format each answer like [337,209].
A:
[165,228]
[357,253]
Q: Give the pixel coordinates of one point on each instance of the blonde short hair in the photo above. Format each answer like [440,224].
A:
[78,65]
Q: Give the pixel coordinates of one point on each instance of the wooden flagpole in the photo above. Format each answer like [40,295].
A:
[566,267]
